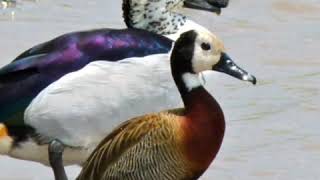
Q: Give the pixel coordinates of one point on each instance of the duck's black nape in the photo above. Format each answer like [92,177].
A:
[181,58]
[182,52]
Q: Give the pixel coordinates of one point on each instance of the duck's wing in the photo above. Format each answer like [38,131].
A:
[35,69]
[139,149]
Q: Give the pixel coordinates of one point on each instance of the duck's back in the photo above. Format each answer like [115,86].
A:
[147,147]
[37,68]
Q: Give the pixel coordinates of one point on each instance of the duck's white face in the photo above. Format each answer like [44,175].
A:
[197,51]
[207,52]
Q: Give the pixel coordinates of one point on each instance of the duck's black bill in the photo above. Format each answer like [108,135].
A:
[207,5]
[226,65]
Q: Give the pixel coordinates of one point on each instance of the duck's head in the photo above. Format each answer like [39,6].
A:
[161,16]
[198,51]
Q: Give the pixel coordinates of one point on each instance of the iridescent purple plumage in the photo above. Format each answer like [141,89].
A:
[38,67]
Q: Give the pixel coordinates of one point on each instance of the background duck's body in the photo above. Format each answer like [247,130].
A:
[89,91]
[44,64]
[66,82]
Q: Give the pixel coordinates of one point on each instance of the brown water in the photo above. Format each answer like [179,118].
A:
[272,128]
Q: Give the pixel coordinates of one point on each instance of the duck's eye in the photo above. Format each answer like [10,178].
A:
[205,46]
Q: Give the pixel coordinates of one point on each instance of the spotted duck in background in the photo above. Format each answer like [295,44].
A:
[175,144]
[56,90]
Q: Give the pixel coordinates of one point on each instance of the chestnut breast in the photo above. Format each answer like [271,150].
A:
[203,129]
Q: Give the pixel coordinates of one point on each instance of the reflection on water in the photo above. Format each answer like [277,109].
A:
[272,128]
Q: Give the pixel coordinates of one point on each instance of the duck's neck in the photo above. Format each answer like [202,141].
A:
[193,93]
[204,124]
[157,16]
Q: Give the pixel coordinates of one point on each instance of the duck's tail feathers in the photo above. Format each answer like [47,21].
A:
[5,140]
